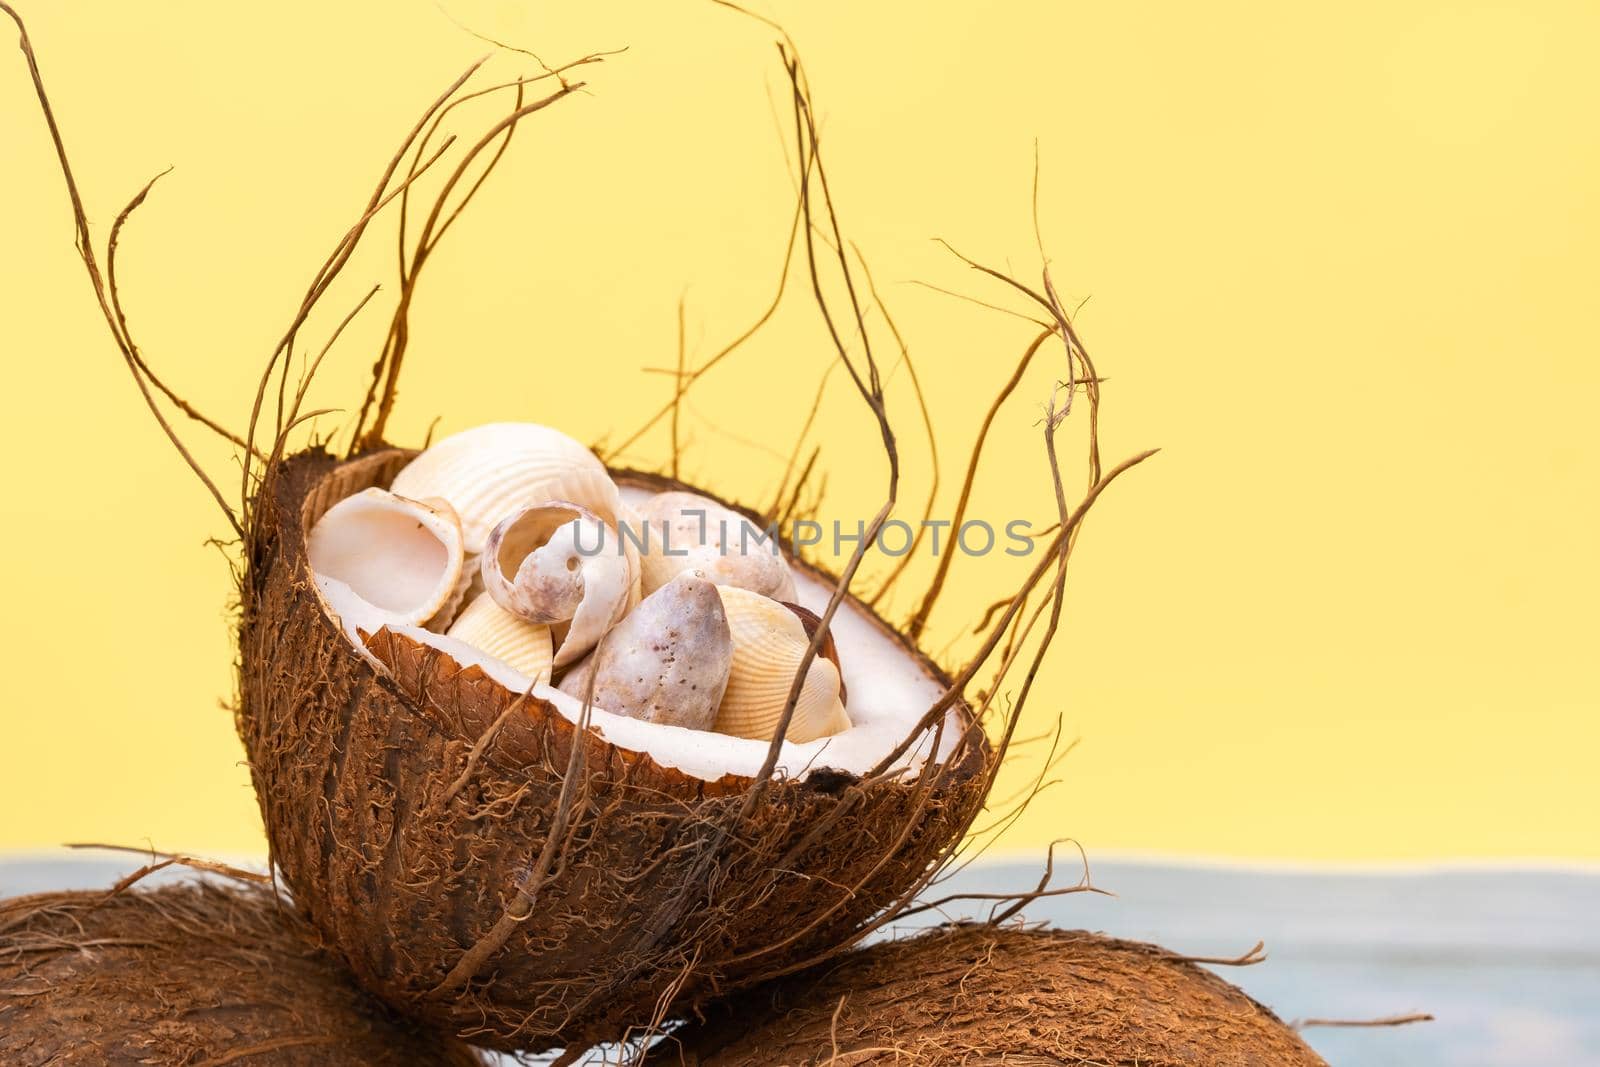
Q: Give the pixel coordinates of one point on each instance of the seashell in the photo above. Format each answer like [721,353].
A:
[467,586]
[463,591]
[576,679]
[558,562]
[769,641]
[516,642]
[685,531]
[667,661]
[489,471]
[402,557]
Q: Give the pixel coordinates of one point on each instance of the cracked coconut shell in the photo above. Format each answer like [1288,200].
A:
[415,807]
[981,994]
[188,974]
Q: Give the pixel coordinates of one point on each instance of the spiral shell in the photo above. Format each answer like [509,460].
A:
[403,557]
[524,645]
[769,641]
[685,531]
[558,563]
[489,471]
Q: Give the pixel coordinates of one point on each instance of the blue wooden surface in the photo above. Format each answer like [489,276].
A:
[1508,961]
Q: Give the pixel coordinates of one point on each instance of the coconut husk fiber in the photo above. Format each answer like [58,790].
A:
[189,974]
[424,817]
[983,994]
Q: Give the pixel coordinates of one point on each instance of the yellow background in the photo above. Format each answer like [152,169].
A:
[1342,265]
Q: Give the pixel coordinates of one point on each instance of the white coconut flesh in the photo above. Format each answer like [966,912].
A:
[888,688]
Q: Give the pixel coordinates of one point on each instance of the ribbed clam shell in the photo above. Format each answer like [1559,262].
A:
[558,563]
[403,557]
[686,531]
[489,471]
[769,641]
[524,645]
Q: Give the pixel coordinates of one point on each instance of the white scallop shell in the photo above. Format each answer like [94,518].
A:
[523,645]
[769,641]
[402,557]
[557,562]
[489,471]
[685,531]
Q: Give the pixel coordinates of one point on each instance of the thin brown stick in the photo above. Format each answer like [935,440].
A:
[677,390]
[1052,304]
[919,618]
[517,911]
[951,694]
[1387,1020]
[728,349]
[112,243]
[870,388]
[85,245]
[788,511]
[1255,954]
[294,417]
[337,259]
[927,423]
[778,511]
[160,860]
[390,363]
[434,126]
[1017,901]
[285,350]
[981,303]
[408,273]
[481,745]
[1052,422]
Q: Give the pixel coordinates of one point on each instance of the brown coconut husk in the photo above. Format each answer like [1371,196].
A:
[189,974]
[984,994]
[478,868]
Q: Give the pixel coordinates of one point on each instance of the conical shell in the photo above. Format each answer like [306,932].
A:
[516,642]
[489,471]
[401,556]
[667,661]
[558,562]
[685,531]
[769,641]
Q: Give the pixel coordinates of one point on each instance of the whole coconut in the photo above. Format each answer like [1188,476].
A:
[188,974]
[981,994]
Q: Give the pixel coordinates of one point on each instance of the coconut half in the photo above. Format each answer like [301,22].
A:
[412,789]
[188,974]
[963,995]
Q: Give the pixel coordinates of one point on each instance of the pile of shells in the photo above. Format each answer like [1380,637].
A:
[513,539]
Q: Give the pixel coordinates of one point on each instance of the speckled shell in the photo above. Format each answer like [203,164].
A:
[769,642]
[668,661]
[489,471]
[402,556]
[686,531]
[525,646]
